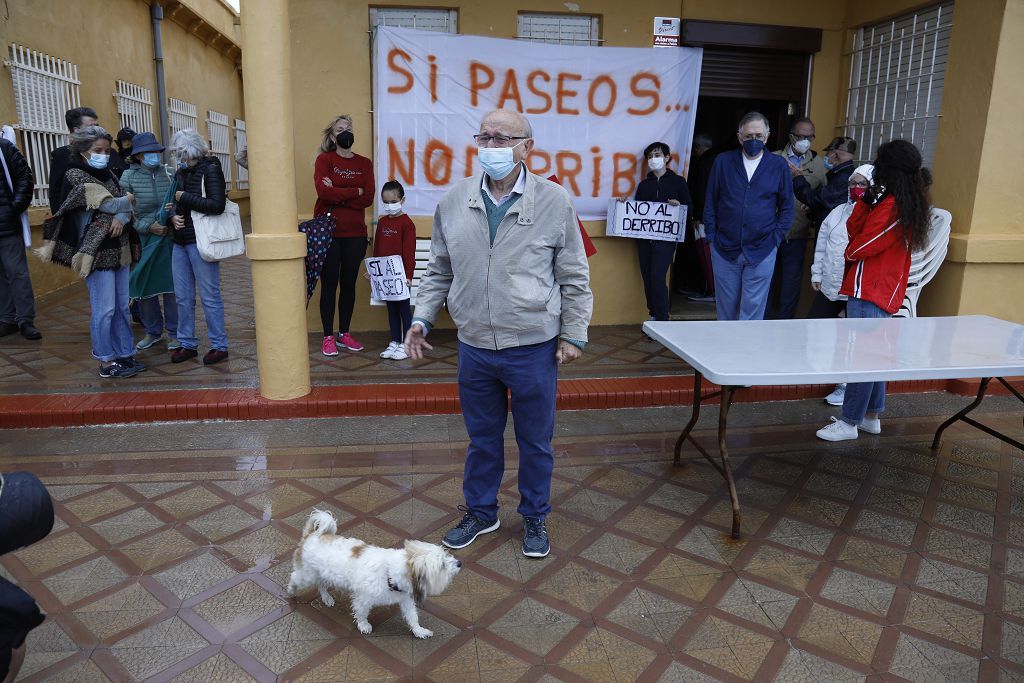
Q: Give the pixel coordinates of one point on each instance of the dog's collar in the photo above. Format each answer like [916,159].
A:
[392,585]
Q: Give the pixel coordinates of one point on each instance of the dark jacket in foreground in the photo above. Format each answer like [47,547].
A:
[13,205]
[190,182]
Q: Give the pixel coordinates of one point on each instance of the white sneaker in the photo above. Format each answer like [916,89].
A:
[871,426]
[837,395]
[389,352]
[837,430]
[399,352]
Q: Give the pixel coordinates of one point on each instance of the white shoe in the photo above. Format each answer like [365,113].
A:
[399,352]
[388,352]
[837,430]
[837,395]
[871,426]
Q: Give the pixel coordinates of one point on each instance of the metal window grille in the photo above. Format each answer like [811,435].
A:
[44,89]
[897,73]
[219,127]
[134,106]
[240,144]
[563,29]
[440,20]
[181,115]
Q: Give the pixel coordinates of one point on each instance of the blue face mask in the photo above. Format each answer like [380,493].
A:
[497,162]
[182,166]
[828,163]
[753,147]
[151,159]
[98,160]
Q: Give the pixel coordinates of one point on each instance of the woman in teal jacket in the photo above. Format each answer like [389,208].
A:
[150,180]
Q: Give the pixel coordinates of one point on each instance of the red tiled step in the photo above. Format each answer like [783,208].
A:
[69,410]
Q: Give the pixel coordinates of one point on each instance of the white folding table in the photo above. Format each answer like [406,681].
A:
[736,354]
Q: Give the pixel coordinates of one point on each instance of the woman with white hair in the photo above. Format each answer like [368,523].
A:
[201,188]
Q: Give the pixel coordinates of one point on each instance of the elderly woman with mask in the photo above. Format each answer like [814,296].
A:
[201,188]
[90,233]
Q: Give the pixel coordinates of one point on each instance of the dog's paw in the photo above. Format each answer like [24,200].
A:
[327,599]
[364,627]
[421,632]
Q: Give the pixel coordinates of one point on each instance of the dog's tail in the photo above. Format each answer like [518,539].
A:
[319,522]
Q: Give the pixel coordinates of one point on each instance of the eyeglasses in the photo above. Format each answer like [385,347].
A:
[498,140]
[756,136]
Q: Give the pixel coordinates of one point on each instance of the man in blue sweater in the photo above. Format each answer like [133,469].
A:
[747,212]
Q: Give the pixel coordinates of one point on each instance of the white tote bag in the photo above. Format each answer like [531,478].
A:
[219,237]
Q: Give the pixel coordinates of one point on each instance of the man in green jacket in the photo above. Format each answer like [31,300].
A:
[149,179]
[789,275]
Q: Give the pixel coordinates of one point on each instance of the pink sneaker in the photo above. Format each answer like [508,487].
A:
[349,342]
[329,348]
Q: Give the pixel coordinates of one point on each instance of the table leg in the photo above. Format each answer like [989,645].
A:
[962,416]
[723,414]
[693,417]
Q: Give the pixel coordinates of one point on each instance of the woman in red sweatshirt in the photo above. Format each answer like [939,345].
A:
[344,189]
[887,225]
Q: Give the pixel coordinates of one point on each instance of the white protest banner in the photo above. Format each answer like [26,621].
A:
[593,110]
[387,278]
[646,220]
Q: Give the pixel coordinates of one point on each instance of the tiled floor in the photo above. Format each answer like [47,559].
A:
[61,361]
[866,560]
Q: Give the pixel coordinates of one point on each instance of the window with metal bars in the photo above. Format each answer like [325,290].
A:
[897,73]
[45,88]
[240,144]
[440,20]
[563,29]
[134,106]
[219,127]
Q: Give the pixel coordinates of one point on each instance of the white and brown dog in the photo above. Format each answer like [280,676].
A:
[372,576]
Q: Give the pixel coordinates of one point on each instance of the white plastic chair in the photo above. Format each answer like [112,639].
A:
[924,264]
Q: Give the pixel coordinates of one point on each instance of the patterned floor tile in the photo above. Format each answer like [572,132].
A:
[685,577]
[873,557]
[298,520]
[803,667]
[1015,563]
[157,550]
[782,567]
[219,668]
[945,619]
[621,482]
[602,653]
[802,536]
[965,519]
[579,586]
[279,501]
[904,480]
[534,626]
[85,671]
[367,532]
[592,504]
[900,502]
[859,591]
[1013,599]
[194,576]
[368,496]
[966,494]
[959,548]
[951,580]
[349,665]
[924,662]
[262,545]
[284,643]
[650,524]
[712,544]
[651,614]
[750,522]
[679,499]
[83,580]
[758,603]
[508,560]
[237,607]
[154,649]
[88,508]
[392,637]
[678,673]
[617,552]
[54,552]
[119,611]
[819,510]
[45,646]
[841,633]
[471,594]
[1013,642]
[156,489]
[220,524]
[886,527]
[190,502]
[730,647]
[130,524]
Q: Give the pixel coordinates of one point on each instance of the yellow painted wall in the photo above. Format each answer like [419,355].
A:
[342,84]
[193,71]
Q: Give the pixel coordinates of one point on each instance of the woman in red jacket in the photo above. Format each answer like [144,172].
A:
[887,225]
[344,188]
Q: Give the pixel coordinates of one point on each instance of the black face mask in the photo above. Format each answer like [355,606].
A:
[345,139]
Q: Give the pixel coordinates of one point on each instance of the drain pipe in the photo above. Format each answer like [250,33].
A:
[156,12]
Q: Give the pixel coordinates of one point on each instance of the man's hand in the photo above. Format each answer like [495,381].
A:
[326,182]
[623,198]
[794,171]
[673,202]
[416,342]
[116,228]
[157,229]
[816,286]
[177,195]
[178,222]
[131,197]
[566,352]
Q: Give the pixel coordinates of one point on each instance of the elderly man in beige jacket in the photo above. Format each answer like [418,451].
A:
[507,256]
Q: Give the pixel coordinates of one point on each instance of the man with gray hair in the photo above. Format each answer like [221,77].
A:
[507,255]
[747,212]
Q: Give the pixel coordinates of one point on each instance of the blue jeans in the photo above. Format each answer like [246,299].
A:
[788,279]
[486,377]
[189,269]
[655,258]
[110,325]
[741,287]
[863,397]
[154,320]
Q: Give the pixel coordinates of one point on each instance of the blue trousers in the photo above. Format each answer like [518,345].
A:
[741,287]
[110,324]
[486,378]
[655,258]
[863,397]
[788,279]
[190,272]
[154,320]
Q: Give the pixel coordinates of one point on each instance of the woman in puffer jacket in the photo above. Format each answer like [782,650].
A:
[201,188]
[830,250]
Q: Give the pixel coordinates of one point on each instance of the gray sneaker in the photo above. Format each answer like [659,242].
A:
[535,537]
[466,531]
[148,341]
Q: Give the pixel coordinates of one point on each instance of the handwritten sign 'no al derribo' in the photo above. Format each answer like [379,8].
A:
[646,220]
[387,278]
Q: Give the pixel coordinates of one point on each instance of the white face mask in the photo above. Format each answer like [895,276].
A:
[656,163]
[393,209]
[497,162]
[801,146]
